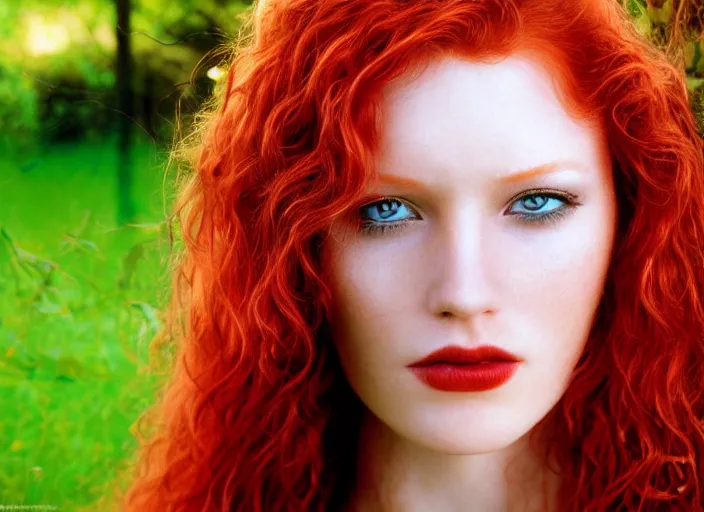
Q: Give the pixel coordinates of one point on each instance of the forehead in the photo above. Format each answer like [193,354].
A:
[492,117]
[452,80]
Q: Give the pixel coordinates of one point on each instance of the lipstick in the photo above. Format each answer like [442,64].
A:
[455,368]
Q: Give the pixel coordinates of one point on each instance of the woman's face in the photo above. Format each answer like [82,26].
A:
[504,213]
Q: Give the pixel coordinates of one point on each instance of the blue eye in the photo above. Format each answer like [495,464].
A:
[538,207]
[385,209]
[535,206]
[384,215]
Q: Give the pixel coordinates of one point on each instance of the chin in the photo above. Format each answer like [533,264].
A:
[462,436]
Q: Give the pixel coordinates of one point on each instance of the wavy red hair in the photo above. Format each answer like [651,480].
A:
[256,415]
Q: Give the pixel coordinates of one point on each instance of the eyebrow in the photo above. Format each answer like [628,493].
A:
[515,177]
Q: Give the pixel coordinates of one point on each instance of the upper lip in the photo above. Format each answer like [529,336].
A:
[460,355]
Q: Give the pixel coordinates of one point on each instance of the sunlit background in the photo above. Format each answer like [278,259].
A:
[86,119]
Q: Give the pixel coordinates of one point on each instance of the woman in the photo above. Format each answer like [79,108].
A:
[440,255]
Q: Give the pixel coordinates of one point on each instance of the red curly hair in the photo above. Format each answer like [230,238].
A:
[257,416]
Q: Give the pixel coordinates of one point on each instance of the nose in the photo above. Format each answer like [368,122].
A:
[461,279]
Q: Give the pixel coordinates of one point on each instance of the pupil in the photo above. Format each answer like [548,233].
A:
[387,211]
[533,199]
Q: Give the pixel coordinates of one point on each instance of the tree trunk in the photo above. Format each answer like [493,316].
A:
[125,108]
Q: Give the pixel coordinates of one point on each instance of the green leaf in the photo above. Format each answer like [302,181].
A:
[49,308]
[8,241]
[644,24]
[68,368]
[150,313]
[129,264]
[5,246]
[71,241]
[694,83]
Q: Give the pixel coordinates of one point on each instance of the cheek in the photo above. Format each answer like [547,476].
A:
[557,286]
[371,312]
[565,276]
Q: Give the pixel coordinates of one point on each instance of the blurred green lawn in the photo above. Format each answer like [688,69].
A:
[79,302]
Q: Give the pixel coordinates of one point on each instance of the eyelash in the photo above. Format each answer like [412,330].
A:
[551,217]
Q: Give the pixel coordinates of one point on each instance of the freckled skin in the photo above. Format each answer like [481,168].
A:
[463,271]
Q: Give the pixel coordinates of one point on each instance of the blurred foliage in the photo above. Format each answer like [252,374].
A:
[65,51]
[677,28]
[18,111]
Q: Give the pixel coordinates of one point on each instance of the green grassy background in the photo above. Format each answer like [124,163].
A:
[79,302]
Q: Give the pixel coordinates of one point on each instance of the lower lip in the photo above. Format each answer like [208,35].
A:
[466,377]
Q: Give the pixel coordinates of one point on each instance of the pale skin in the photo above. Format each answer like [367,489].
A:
[466,270]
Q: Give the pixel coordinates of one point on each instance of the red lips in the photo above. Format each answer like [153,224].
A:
[459,355]
[461,369]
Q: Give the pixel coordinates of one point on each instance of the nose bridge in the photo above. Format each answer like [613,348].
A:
[465,258]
